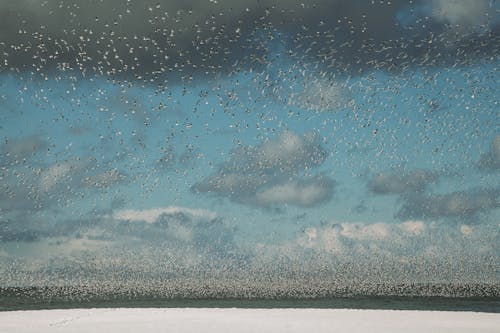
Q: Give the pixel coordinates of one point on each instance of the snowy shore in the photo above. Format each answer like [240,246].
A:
[245,320]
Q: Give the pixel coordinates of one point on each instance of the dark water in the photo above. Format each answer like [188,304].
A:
[16,299]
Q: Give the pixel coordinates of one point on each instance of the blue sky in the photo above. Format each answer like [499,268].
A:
[282,159]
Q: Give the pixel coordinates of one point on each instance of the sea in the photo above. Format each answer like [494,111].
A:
[12,299]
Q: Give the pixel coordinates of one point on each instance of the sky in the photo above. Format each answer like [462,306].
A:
[346,139]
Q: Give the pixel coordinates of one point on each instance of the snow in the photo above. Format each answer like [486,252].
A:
[245,320]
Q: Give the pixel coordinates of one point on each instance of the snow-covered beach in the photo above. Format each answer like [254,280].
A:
[245,320]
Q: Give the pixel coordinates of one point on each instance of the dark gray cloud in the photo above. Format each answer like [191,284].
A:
[393,182]
[272,174]
[148,38]
[491,160]
[460,204]
[418,202]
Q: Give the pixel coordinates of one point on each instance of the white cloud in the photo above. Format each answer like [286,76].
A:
[288,145]
[466,230]
[288,151]
[325,239]
[413,227]
[304,194]
[152,215]
[355,237]
[105,179]
[53,175]
[320,95]
[365,231]
[312,233]
[60,172]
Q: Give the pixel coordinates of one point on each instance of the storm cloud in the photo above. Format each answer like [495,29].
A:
[186,37]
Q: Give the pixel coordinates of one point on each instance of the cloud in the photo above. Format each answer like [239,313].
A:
[15,151]
[43,198]
[7,235]
[394,182]
[466,230]
[289,153]
[151,215]
[303,193]
[413,250]
[359,241]
[61,172]
[20,191]
[46,184]
[460,204]
[105,179]
[30,227]
[363,232]
[453,22]
[205,37]
[179,242]
[171,229]
[320,94]
[271,174]
[413,227]
[168,233]
[465,15]
[418,203]
[491,160]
